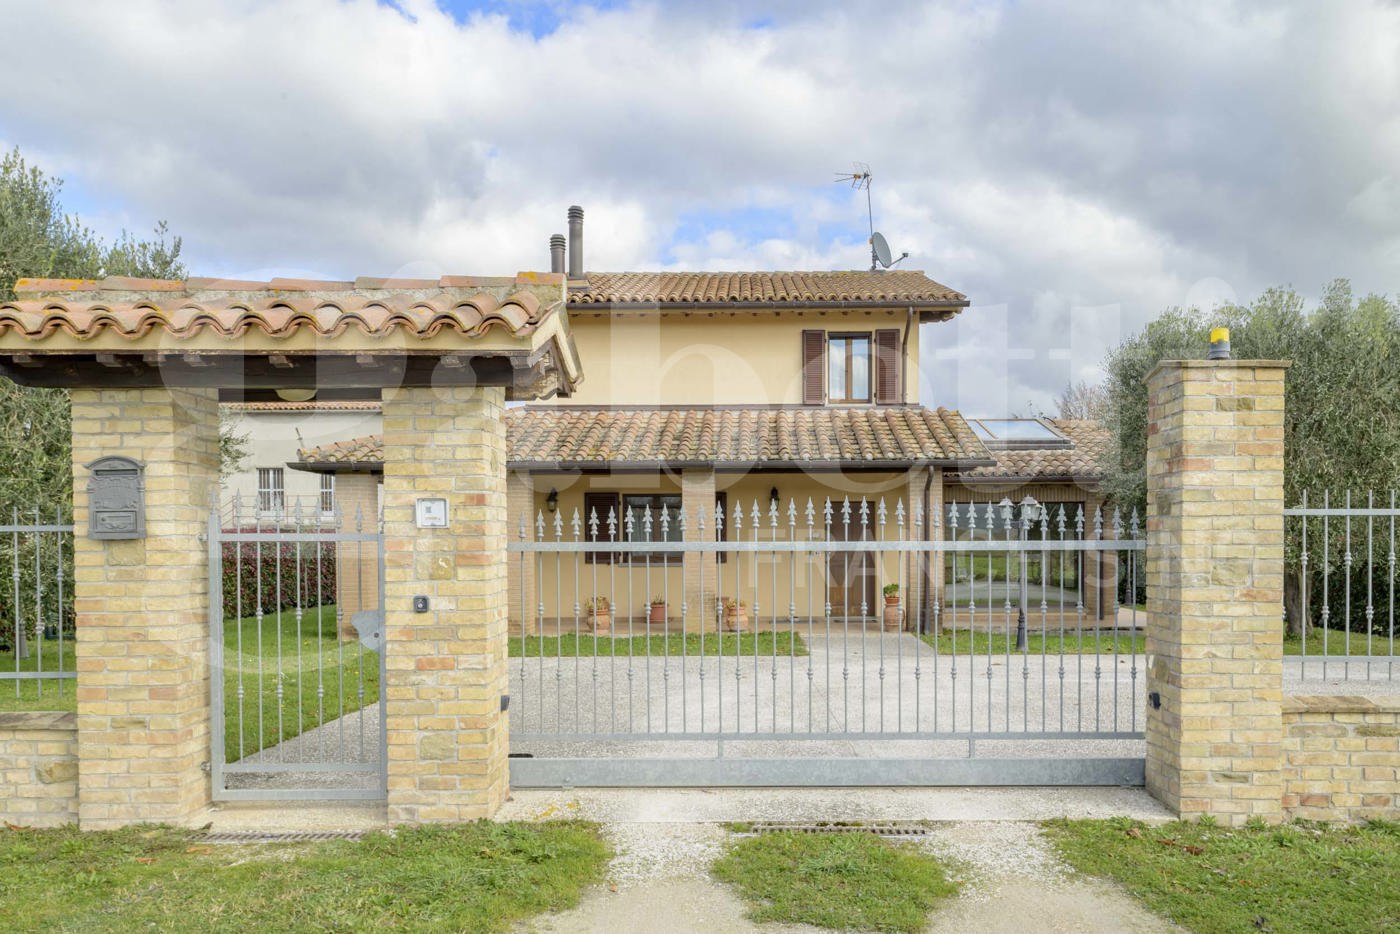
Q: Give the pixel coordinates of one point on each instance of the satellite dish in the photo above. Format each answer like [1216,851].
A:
[880,249]
[880,255]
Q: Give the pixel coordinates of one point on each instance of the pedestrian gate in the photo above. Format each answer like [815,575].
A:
[296,633]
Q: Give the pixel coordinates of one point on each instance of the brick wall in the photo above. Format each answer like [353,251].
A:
[142,609]
[446,669]
[356,563]
[39,768]
[1341,758]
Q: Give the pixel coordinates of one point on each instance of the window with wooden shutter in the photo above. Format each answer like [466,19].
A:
[601,505]
[813,367]
[887,375]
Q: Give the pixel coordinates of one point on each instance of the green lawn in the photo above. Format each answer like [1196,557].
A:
[49,694]
[471,877]
[1338,644]
[587,645]
[1073,643]
[319,686]
[843,881]
[1294,879]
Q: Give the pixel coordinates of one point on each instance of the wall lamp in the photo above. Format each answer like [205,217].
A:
[551,502]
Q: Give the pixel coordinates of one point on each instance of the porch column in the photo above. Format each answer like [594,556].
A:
[1215,587]
[356,563]
[697,496]
[446,667]
[142,609]
[520,592]
[918,601]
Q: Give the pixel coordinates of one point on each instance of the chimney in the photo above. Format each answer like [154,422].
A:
[575,242]
[556,253]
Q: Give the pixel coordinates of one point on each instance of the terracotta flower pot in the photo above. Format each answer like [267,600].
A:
[735,618]
[892,614]
[656,614]
[600,620]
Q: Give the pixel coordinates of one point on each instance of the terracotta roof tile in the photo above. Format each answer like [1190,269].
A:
[587,437]
[1083,462]
[366,450]
[893,286]
[279,308]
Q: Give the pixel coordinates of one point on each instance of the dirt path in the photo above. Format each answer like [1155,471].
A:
[1011,882]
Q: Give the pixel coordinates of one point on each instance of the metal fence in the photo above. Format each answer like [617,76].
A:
[1340,590]
[36,647]
[993,622]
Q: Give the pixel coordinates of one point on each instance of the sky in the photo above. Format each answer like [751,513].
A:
[1073,167]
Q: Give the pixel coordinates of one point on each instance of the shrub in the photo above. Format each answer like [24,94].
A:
[251,576]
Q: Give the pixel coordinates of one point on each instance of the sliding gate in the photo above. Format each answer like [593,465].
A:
[990,646]
[296,632]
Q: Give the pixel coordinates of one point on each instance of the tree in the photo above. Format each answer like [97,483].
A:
[1342,395]
[1083,401]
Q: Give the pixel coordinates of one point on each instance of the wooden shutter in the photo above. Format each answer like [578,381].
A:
[813,367]
[721,531]
[603,504]
[887,375]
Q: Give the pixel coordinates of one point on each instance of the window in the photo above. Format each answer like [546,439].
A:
[848,368]
[852,368]
[327,493]
[270,489]
[603,505]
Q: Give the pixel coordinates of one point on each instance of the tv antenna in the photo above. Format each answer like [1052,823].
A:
[880,256]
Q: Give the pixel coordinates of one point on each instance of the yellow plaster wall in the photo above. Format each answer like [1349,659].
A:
[701,358]
[773,584]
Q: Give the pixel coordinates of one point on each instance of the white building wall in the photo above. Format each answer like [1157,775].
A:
[273,441]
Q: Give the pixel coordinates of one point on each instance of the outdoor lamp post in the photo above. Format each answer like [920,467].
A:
[1028,507]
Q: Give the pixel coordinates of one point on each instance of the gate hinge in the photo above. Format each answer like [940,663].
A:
[204,767]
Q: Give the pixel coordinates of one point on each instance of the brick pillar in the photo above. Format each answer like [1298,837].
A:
[356,563]
[446,668]
[520,592]
[142,608]
[697,495]
[1215,587]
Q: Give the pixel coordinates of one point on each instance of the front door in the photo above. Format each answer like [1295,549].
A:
[850,577]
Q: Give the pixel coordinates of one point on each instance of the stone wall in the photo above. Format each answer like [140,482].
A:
[1341,758]
[39,768]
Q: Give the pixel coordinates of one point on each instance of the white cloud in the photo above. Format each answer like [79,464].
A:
[1073,167]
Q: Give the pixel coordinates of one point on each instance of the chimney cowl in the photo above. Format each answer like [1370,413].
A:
[556,253]
[575,242]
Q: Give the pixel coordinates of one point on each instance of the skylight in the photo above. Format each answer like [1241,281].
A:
[1017,433]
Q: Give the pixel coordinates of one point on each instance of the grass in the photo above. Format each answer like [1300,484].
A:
[470,877]
[1294,879]
[1337,644]
[731,644]
[1072,643]
[56,694]
[843,881]
[324,664]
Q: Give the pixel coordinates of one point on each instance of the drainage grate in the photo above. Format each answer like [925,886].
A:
[878,828]
[291,836]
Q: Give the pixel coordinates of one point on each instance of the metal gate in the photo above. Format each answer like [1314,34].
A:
[743,648]
[296,660]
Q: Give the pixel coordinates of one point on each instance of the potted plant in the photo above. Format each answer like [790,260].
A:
[656,611]
[599,614]
[892,614]
[736,614]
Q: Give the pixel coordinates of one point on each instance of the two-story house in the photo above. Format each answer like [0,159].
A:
[711,392]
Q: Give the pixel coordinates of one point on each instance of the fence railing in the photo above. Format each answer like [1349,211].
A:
[1340,586]
[846,620]
[36,638]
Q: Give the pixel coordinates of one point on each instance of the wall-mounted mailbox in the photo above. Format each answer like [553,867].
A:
[116,498]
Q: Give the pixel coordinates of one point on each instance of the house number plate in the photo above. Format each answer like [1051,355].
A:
[432,513]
